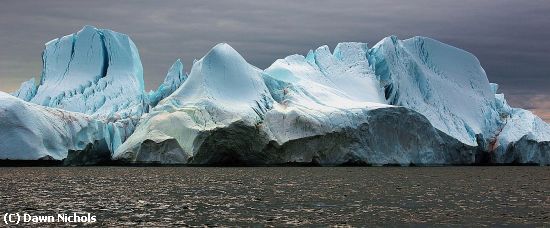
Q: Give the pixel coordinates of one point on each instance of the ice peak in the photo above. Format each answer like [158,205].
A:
[353,50]
[174,78]
[88,29]
[222,77]
[223,54]
[310,57]
[389,41]
[323,49]
[176,70]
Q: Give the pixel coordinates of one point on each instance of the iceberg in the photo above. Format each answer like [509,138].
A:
[415,101]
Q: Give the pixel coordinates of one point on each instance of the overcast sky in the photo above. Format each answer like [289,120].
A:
[511,38]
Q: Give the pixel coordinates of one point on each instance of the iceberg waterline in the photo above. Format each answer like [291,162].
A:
[414,101]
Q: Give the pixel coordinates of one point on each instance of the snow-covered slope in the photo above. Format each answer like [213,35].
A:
[222,88]
[174,78]
[94,71]
[27,90]
[31,131]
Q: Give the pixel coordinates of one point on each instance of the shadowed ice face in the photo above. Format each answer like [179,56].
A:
[509,37]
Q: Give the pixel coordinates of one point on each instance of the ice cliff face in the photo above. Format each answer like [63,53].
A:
[94,71]
[414,101]
[445,84]
[449,87]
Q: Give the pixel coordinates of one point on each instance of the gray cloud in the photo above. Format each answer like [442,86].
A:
[511,38]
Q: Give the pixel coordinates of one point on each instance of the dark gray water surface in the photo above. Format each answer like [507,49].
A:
[154,196]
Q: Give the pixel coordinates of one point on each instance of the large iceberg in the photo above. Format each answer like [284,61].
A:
[415,101]
[301,109]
